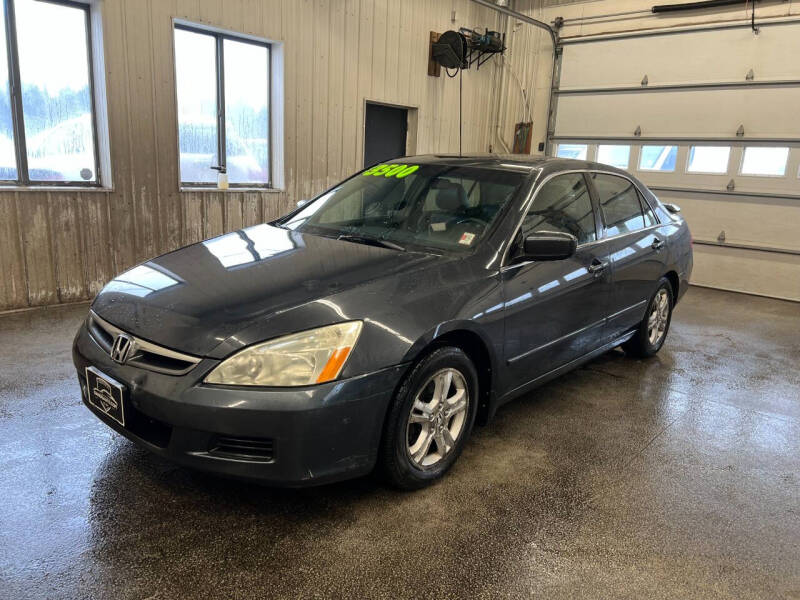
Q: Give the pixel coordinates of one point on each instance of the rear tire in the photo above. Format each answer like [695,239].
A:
[430,419]
[652,331]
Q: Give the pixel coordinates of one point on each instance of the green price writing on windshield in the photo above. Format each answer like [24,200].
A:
[391,170]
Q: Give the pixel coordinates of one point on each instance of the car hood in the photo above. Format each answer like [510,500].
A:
[195,298]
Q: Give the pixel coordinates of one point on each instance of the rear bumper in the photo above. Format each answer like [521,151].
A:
[297,437]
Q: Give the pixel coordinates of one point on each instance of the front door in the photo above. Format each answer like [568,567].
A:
[555,310]
[635,246]
[385,130]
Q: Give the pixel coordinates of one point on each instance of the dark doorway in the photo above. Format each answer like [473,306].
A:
[384,133]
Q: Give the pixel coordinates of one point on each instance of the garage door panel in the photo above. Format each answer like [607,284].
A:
[683,58]
[769,222]
[763,273]
[768,110]
[693,113]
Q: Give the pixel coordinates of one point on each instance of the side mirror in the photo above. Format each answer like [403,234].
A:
[549,245]
[673,208]
[302,203]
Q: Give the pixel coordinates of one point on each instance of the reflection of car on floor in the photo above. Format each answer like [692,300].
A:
[374,324]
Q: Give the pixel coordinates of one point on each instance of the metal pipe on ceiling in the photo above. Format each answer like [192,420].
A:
[521,17]
[662,8]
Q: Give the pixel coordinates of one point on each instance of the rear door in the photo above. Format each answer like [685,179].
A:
[555,310]
[636,248]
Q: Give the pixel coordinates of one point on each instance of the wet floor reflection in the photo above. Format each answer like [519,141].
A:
[676,476]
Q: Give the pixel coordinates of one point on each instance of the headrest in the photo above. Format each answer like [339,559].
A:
[451,197]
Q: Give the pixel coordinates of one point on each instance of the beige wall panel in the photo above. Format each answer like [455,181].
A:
[95,231]
[122,220]
[67,242]
[37,247]
[233,212]
[251,209]
[214,214]
[192,203]
[13,286]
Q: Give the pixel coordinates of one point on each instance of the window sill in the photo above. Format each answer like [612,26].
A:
[232,190]
[56,188]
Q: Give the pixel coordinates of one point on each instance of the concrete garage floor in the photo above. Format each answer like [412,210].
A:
[674,477]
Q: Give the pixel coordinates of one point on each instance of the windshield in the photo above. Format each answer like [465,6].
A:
[432,207]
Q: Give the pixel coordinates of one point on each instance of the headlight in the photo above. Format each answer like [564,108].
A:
[304,358]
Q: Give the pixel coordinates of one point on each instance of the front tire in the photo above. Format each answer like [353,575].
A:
[430,419]
[653,329]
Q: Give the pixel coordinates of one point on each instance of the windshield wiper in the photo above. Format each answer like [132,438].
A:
[362,239]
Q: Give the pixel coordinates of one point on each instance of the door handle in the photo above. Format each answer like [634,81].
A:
[657,244]
[597,267]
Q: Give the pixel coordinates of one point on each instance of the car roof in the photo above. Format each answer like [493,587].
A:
[515,162]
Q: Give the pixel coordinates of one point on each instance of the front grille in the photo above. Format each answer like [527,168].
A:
[142,353]
[255,449]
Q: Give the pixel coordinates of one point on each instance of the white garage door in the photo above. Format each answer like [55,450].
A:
[710,119]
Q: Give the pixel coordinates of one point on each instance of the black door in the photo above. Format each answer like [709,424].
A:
[555,311]
[635,246]
[385,133]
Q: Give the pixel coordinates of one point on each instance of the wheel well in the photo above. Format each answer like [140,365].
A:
[474,347]
[672,277]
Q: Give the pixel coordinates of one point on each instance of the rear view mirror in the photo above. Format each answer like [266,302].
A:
[549,245]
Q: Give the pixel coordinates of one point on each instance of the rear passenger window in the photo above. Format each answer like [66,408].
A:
[562,204]
[649,217]
[619,203]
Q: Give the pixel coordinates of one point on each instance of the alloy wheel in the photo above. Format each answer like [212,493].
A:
[659,317]
[437,418]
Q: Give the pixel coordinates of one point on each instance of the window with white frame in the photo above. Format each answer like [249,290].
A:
[223,92]
[708,159]
[614,155]
[764,160]
[576,151]
[48,132]
[658,158]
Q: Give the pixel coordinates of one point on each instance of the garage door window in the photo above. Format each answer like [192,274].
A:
[615,156]
[765,161]
[223,108]
[576,151]
[48,129]
[658,158]
[708,159]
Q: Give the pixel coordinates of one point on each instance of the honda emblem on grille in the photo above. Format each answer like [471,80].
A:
[121,348]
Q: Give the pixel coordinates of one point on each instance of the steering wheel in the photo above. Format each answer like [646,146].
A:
[473,220]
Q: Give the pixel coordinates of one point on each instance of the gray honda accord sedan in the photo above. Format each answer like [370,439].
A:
[373,326]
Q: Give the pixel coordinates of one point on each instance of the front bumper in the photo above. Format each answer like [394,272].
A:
[301,436]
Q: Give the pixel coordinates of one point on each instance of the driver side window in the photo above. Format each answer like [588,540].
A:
[562,204]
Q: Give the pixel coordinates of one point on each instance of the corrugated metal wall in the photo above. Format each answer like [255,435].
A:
[63,246]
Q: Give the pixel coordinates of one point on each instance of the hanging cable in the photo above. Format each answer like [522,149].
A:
[460,96]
